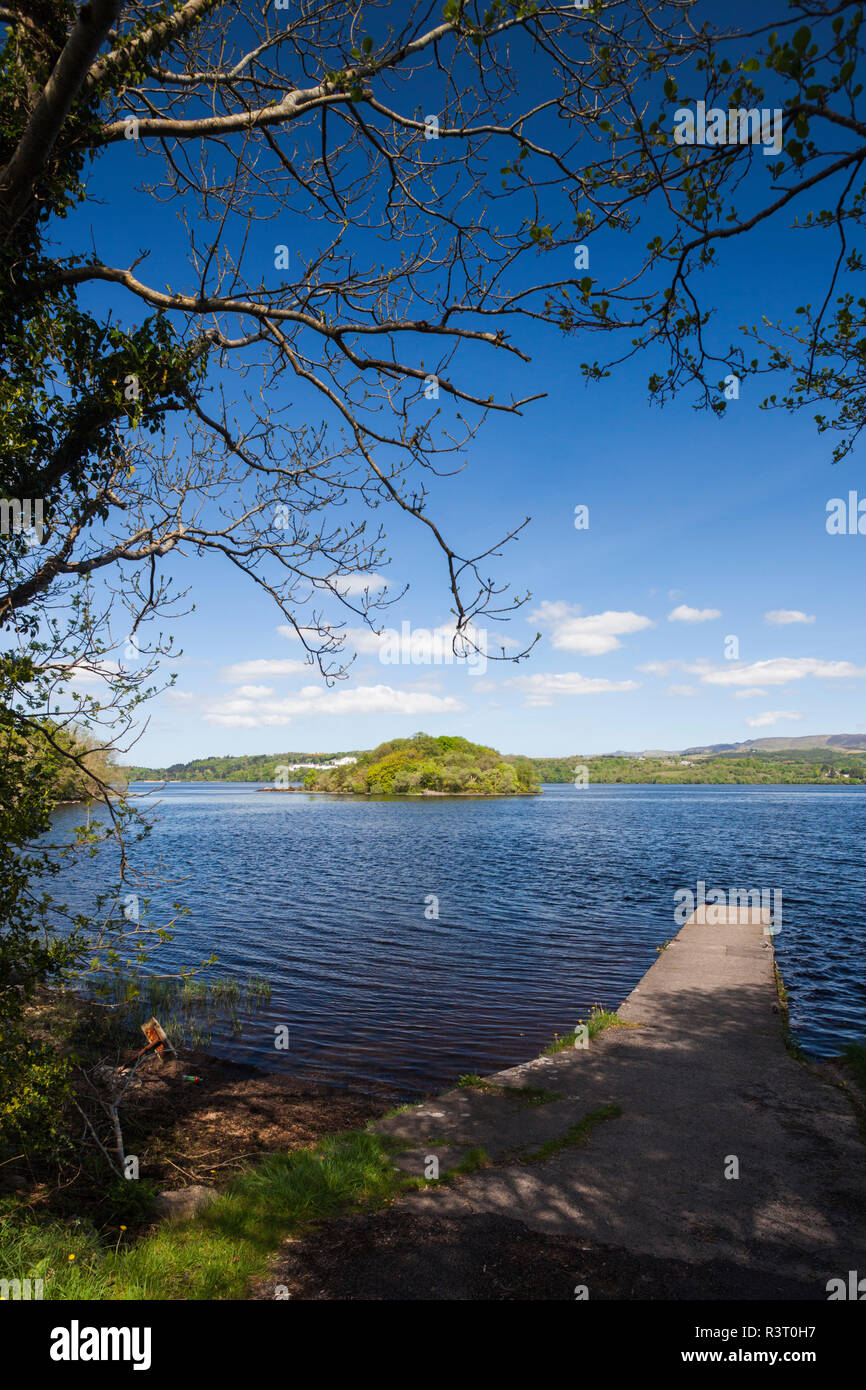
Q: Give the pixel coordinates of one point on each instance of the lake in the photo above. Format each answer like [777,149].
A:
[545,904]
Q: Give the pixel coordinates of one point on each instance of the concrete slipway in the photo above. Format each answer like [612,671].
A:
[705,1078]
[699,1085]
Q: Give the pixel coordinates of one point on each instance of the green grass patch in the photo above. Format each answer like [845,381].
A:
[599,1019]
[531,1095]
[397,1110]
[520,1095]
[854,1054]
[476,1157]
[575,1137]
[214,1255]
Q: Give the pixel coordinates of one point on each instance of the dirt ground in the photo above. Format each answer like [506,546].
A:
[198,1131]
[187,1132]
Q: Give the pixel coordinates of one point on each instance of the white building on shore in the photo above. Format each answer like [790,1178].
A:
[317,767]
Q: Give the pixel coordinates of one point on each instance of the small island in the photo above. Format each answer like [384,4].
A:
[426,766]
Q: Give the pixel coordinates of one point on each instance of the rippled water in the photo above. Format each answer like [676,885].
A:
[546,905]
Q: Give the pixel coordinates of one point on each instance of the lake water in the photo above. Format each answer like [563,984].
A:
[546,905]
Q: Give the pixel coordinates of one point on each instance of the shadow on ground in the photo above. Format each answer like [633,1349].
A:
[399,1255]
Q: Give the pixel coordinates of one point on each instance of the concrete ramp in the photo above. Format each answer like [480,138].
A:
[726,1147]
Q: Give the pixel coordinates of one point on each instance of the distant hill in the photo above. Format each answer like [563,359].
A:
[857,741]
[767,761]
[810,759]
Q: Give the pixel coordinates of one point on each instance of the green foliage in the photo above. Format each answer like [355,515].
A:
[576,1137]
[63,370]
[41,944]
[44,748]
[412,766]
[232,1240]
[131,1200]
[597,1020]
[253,767]
[405,775]
[751,767]
[189,1008]
[33,1082]
[34,1089]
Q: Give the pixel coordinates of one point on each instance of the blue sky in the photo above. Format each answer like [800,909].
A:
[700,531]
[685,513]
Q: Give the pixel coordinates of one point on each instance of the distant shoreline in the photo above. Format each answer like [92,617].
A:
[825,760]
[402,796]
[837,784]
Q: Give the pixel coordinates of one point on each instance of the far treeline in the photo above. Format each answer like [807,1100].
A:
[254,767]
[750,767]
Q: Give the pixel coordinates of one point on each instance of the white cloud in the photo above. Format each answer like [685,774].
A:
[684,614]
[783,616]
[772,716]
[430,684]
[495,641]
[351,584]
[750,693]
[681,690]
[358,639]
[541,689]
[659,668]
[182,697]
[781,669]
[87,672]
[251,711]
[255,692]
[248,670]
[592,634]
[437,639]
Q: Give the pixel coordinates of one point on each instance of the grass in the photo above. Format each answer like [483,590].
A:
[230,1242]
[791,1044]
[855,1055]
[521,1095]
[189,1008]
[475,1158]
[532,1095]
[215,1255]
[397,1110]
[599,1019]
[575,1137]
